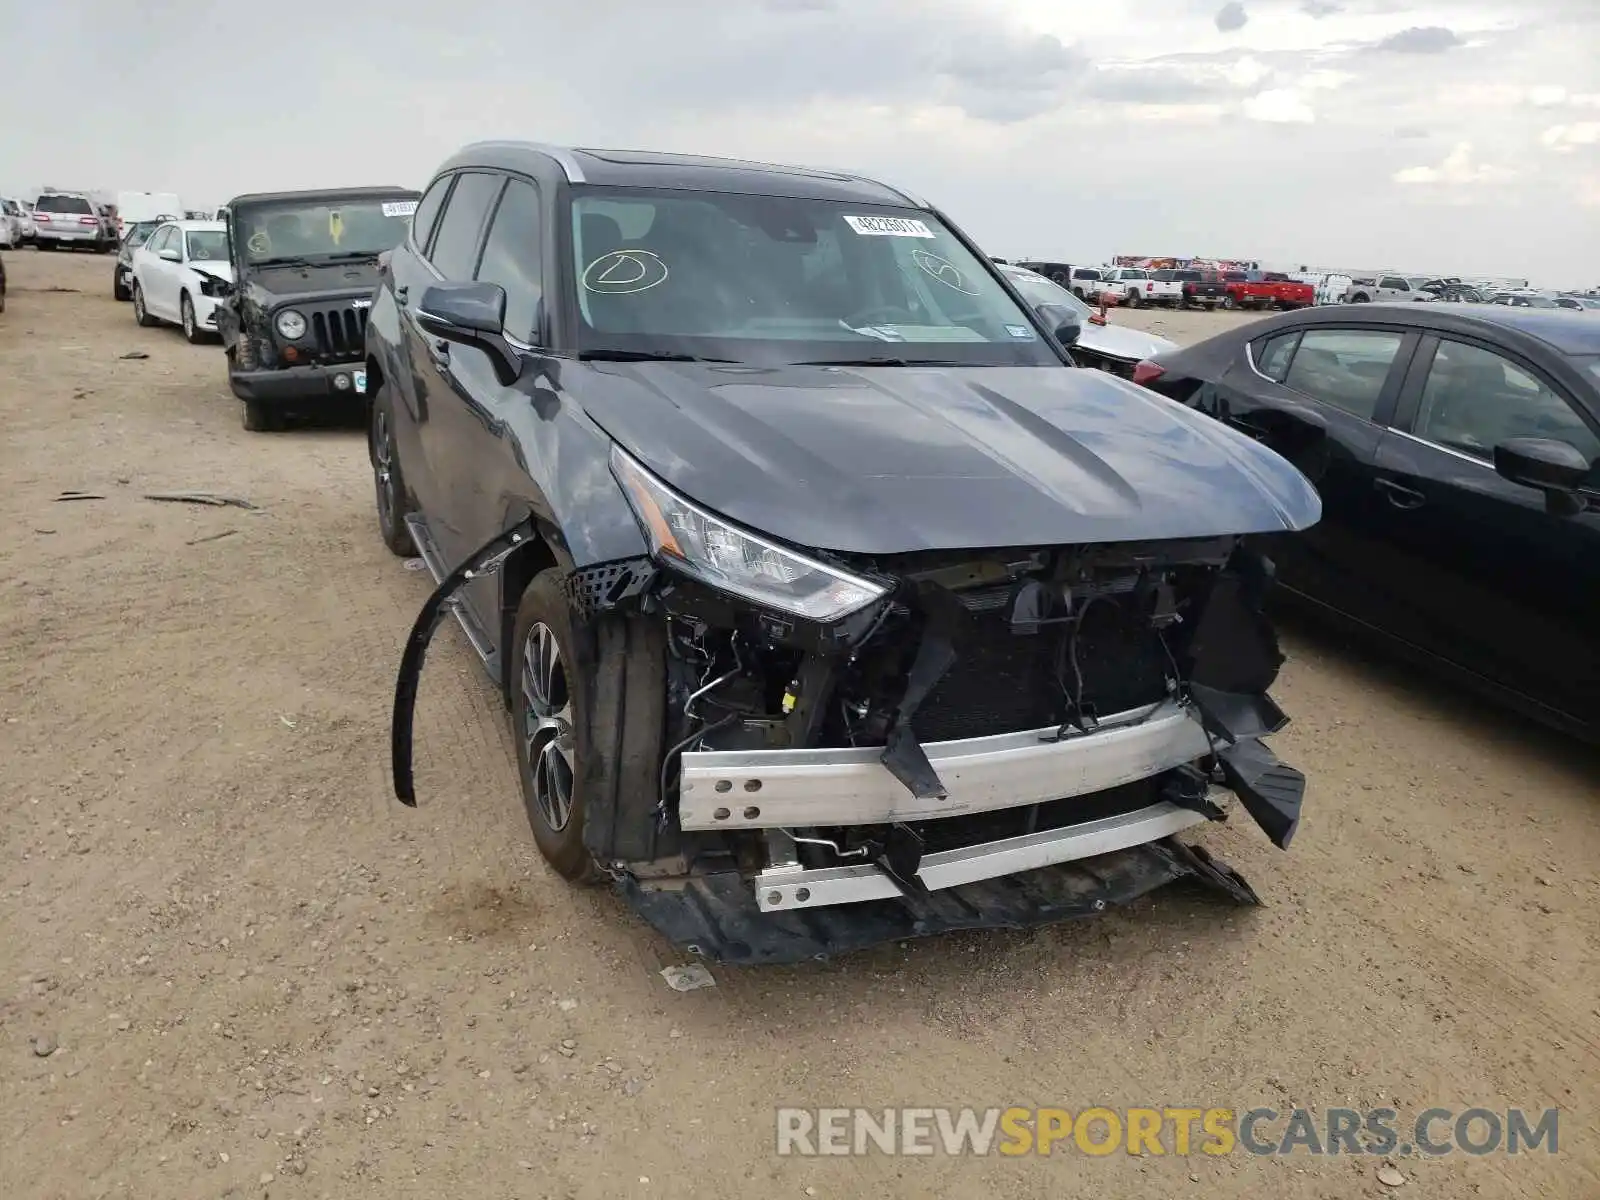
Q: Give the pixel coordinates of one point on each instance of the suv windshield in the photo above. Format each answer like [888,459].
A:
[735,276]
[325,229]
[63,204]
[208,244]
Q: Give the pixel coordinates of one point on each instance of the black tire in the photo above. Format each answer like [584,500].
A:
[617,704]
[141,314]
[118,290]
[192,332]
[548,713]
[261,418]
[40,243]
[1134,299]
[1360,298]
[389,483]
[1229,303]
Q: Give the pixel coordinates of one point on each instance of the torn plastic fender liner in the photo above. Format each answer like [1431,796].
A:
[486,560]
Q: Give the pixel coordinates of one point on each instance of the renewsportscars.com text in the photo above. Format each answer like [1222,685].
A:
[1179,1131]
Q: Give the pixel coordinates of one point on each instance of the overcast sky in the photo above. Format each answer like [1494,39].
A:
[1457,136]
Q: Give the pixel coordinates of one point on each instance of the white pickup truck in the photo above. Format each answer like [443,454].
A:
[1133,286]
[1388,287]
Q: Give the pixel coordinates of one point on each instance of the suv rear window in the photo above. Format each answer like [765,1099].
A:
[63,204]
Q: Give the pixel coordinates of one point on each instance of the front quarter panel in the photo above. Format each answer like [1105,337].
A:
[558,470]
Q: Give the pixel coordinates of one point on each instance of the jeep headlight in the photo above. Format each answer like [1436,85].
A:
[688,538]
[291,325]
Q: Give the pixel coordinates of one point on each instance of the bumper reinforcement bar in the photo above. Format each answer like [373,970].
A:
[772,789]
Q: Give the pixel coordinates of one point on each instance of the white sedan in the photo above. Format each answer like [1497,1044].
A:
[180,275]
[1112,348]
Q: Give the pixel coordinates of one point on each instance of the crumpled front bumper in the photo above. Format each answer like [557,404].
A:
[715,916]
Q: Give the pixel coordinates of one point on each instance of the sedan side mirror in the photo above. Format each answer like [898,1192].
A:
[1061,321]
[1556,468]
[472,314]
[171,256]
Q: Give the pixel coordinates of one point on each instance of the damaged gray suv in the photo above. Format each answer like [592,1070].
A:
[829,601]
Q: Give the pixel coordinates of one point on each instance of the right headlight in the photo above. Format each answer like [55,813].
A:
[291,325]
[704,546]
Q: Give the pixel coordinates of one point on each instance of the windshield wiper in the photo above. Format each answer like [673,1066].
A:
[646,356]
[881,360]
[285,260]
[347,255]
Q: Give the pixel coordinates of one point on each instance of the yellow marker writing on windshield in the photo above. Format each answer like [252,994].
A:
[335,226]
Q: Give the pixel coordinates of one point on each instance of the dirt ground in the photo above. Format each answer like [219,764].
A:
[232,965]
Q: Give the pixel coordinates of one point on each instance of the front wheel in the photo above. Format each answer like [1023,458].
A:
[191,327]
[555,754]
[261,418]
[393,504]
[119,290]
[141,314]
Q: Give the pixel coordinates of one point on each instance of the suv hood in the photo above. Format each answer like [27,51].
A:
[312,283]
[885,460]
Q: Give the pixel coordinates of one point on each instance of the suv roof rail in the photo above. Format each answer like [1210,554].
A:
[563,155]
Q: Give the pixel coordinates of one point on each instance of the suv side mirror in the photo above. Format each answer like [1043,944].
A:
[1556,468]
[472,314]
[1061,321]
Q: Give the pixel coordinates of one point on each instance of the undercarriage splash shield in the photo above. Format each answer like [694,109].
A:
[716,915]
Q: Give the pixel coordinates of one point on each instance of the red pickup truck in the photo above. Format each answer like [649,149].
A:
[1265,289]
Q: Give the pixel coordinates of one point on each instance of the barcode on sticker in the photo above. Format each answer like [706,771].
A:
[399,208]
[890,227]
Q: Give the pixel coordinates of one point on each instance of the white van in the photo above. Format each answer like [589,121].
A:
[133,207]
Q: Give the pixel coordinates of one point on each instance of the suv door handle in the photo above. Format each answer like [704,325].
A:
[441,351]
[1399,495]
[400,295]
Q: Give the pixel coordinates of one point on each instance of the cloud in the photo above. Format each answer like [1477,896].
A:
[1564,139]
[1012,78]
[1421,39]
[1457,168]
[1284,106]
[1231,17]
[1317,9]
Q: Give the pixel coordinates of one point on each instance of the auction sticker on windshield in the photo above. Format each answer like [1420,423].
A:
[399,208]
[889,227]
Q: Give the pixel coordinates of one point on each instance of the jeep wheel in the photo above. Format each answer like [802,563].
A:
[261,418]
[388,482]
[191,327]
[141,314]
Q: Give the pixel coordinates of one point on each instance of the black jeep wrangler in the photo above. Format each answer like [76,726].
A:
[305,265]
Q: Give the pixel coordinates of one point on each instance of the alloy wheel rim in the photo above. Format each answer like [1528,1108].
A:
[383,467]
[188,318]
[547,726]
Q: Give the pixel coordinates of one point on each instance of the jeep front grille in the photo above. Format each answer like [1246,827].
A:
[340,332]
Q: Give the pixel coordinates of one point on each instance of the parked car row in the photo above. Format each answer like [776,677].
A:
[1177,287]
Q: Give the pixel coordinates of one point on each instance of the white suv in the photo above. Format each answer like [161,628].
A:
[67,220]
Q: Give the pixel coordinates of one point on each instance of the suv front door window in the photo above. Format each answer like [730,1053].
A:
[455,246]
